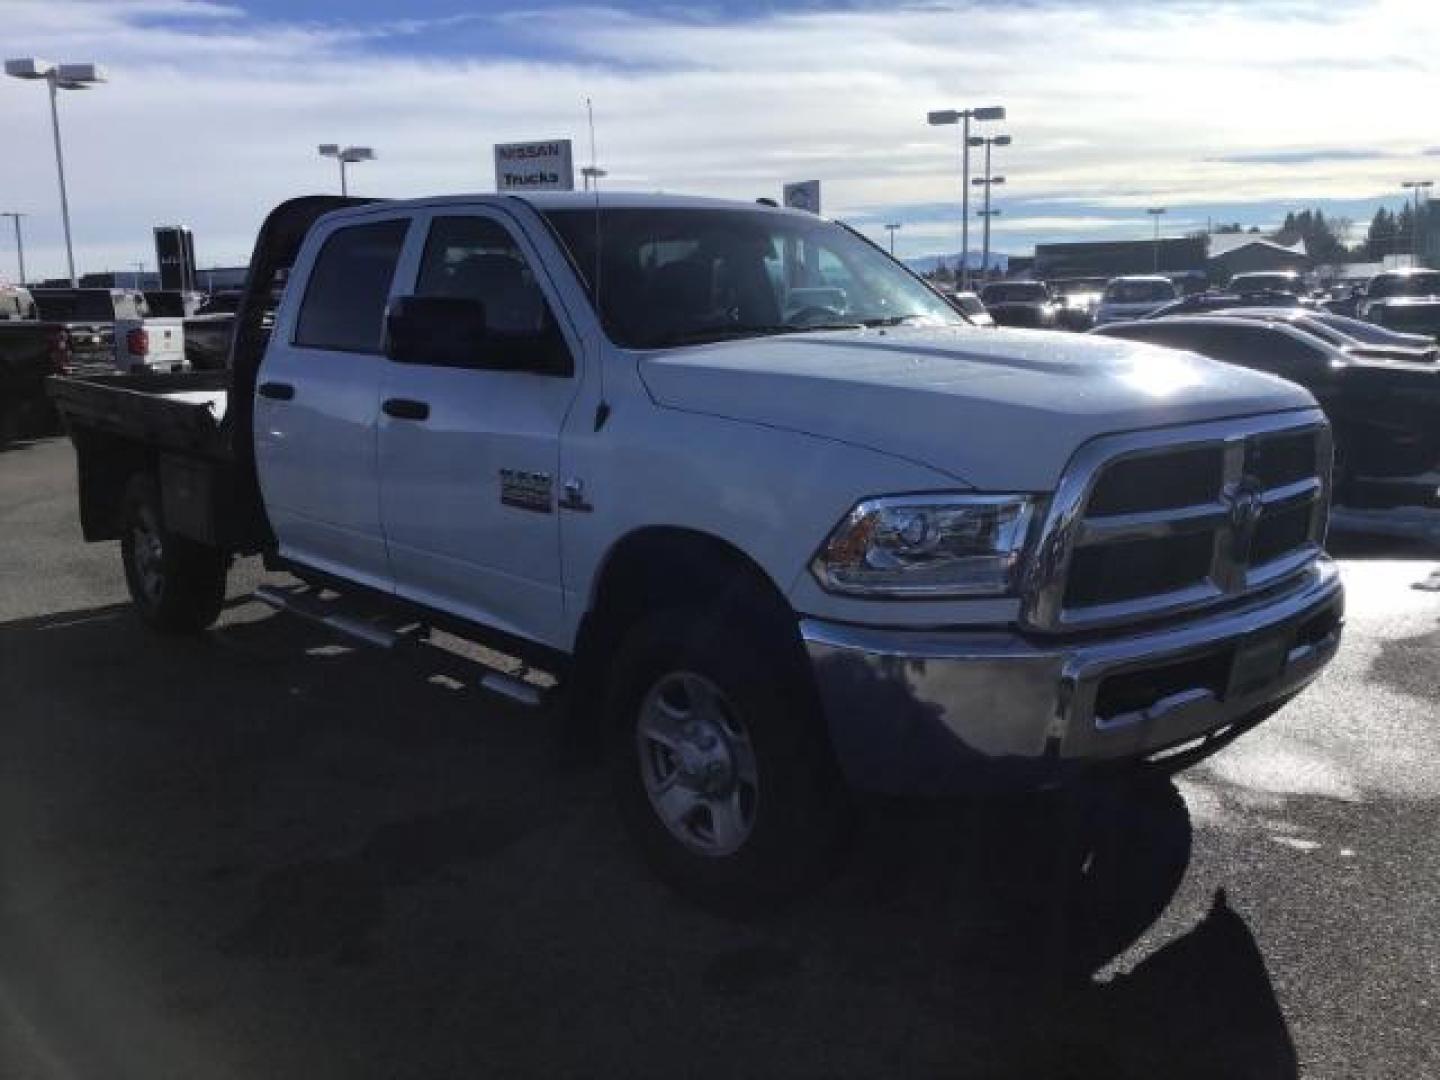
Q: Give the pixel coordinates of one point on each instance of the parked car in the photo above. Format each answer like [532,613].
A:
[1020,303]
[1407,300]
[1343,300]
[1076,300]
[115,324]
[1358,339]
[972,307]
[1385,412]
[30,351]
[1134,297]
[1257,282]
[773,563]
[1202,303]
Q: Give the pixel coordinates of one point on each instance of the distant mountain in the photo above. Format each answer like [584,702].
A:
[925,264]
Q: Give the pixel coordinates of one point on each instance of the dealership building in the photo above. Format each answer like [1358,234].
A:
[1218,257]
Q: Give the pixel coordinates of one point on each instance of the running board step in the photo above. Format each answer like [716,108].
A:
[513,689]
[308,607]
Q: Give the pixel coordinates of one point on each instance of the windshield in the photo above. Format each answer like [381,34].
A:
[1015,292]
[1423,284]
[1251,283]
[1139,292]
[676,276]
[75,305]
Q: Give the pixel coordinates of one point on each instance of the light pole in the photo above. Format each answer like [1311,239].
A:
[893,228]
[1156,212]
[19,241]
[1417,186]
[346,156]
[593,173]
[987,182]
[58,77]
[963,118]
[139,265]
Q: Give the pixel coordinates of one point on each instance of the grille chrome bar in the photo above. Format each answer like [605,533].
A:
[1151,524]
[1240,505]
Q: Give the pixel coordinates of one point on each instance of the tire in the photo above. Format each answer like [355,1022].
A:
[720,767]
[177,585]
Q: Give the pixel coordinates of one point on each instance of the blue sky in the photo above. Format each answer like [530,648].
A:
[1217,109]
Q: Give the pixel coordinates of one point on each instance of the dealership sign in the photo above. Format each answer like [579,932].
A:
[534,166]
[804,195]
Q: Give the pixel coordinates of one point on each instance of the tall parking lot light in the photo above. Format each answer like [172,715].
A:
[963,117]
[893,228]
[592,174]
[1417,186]
[58,77]
[1156,212]
[19,241]
[347,155]
[987,181]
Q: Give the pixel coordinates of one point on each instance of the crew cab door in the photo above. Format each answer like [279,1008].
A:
[317,399]
[470,450]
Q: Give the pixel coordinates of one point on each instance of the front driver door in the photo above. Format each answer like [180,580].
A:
[469,455]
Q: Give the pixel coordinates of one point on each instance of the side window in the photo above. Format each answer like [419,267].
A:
[344,305]
[1274,350]
[475,258]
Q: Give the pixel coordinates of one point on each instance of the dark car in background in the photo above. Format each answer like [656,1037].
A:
[1359,339]
[1076,300]
[1406,300]
[1020,303]
[1385,412]
[1256,282]
[1203,303]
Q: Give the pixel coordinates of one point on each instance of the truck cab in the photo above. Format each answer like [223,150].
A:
[783,524]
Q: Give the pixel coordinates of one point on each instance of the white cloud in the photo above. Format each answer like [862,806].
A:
[212,115]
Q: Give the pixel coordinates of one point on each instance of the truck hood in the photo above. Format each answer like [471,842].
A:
[1000,410]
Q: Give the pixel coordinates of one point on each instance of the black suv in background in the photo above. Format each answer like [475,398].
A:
[1385,412]
[1020,303]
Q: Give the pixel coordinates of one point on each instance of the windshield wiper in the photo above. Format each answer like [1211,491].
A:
[891,320]
[732,333]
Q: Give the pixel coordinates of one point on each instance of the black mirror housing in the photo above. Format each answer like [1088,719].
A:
[445,331]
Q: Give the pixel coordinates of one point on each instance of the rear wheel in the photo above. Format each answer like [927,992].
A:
[721,770]
[176,584]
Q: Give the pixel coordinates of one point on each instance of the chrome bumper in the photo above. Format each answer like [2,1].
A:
[945,712]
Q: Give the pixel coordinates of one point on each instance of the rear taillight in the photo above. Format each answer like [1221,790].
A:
[137,342]
[59,350]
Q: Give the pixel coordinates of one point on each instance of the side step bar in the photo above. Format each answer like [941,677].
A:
[308,608]
[305,604]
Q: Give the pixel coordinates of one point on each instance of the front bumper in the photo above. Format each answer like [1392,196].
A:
[950,712]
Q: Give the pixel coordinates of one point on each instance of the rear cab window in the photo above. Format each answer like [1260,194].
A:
[343,309]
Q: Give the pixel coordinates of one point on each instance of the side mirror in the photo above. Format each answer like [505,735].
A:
[444,331]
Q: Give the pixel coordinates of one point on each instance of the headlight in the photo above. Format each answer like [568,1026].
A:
[927,547]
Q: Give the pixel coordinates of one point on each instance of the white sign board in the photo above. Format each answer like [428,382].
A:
[804,195]
[534,166]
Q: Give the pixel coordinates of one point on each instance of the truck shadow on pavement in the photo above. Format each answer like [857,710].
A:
[347,864]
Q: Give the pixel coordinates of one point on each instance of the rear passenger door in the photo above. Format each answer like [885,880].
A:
[317,399]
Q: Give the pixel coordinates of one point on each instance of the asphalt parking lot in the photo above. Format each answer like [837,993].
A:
[263,854]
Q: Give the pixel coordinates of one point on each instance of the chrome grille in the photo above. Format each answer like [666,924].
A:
[1156,523]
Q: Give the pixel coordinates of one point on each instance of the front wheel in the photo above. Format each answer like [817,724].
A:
[721,769]
[177,585]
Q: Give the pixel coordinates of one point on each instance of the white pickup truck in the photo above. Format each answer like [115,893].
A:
[777,549]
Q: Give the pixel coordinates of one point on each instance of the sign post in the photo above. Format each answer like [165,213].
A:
[534,166]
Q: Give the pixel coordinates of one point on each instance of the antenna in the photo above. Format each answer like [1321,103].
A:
[602,408]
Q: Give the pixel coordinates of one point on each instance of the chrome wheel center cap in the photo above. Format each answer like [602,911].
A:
[704,760]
